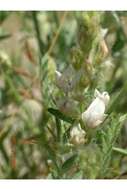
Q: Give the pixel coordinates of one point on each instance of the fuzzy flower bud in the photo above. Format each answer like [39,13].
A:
[63,82]
[67,106]
[60,82]
[94,115]
[77,135]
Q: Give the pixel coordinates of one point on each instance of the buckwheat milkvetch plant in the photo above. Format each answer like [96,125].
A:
[63,95]
[88,123]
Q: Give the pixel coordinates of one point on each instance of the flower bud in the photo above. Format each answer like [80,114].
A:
[63,82]
[67,106]
[77,135]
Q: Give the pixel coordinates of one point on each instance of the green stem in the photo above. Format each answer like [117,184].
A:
[38,33]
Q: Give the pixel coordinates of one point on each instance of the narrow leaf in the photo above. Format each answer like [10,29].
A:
[120,150]
[59,132]
[5,36]
[69,163]
[60,115]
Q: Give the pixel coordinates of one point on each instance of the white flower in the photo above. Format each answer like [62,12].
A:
[77,135]
[94,115]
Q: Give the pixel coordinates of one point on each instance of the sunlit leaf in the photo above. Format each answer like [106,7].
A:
[120,150]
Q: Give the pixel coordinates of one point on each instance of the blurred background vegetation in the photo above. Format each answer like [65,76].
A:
[36,116]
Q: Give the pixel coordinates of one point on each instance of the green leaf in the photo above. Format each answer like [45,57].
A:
[69,163]
[78,175]
[60,115]
[59,132]
[120,41]
[3,15]
[52,156]
[120,150]
[3,136]
[4,36]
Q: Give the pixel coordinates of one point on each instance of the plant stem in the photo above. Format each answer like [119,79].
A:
[38,33]
[53,42]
